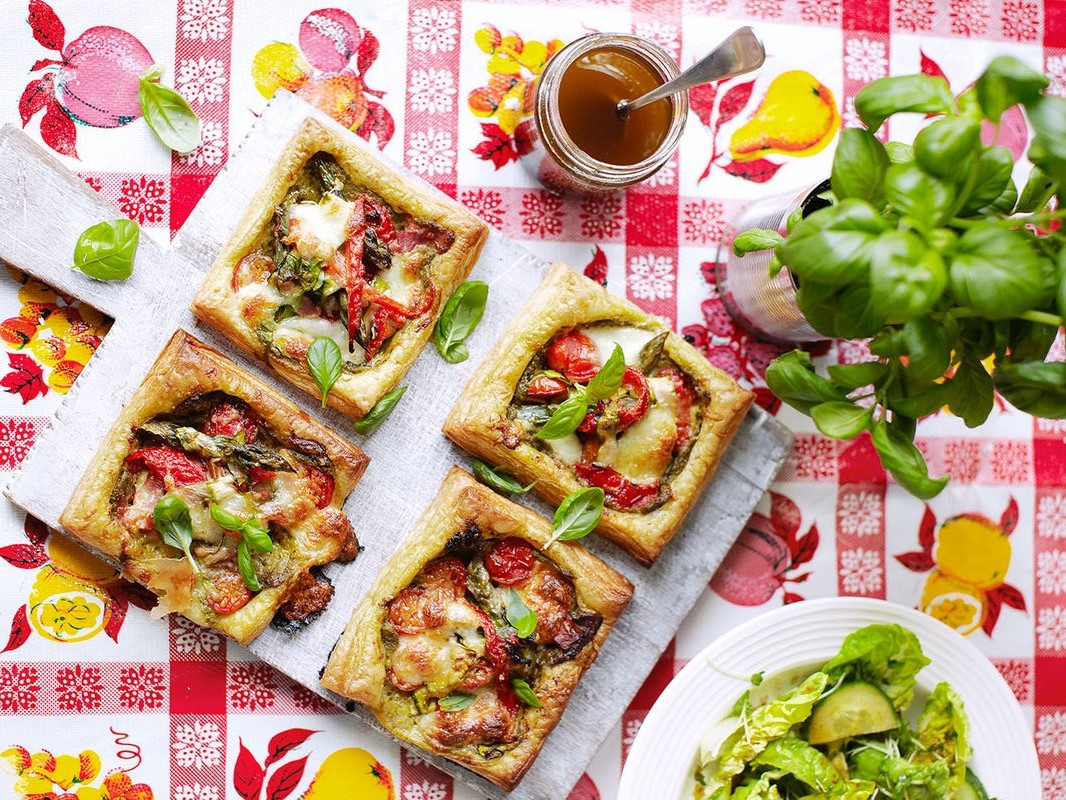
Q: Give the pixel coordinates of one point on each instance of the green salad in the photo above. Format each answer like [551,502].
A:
[845,732]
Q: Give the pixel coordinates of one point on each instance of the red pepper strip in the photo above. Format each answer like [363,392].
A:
[384,228]
[353,252]
[377,296]
[171,466]
[380,331]
[617,487]
[588,424]
[686,396]
[495,648]
[633,404]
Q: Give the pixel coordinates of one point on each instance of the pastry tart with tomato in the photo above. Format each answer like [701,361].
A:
[585,389]
[218,494]
[475,633]
[338,245]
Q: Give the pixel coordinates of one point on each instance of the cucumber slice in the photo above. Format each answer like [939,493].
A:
[972,789]
[855,709]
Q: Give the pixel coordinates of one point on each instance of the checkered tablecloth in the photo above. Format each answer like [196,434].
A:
[101,698]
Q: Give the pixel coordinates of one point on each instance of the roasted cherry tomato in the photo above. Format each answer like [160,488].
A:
[478,675]
[545,387]
[321,486]
[575,356]
[588,424]
[171,466]
[227,593]
[624,492]
[686,396]
[258,475]
[231,419]
[633,398]
[253,268]
[423,606]
[509,561]
[507,696]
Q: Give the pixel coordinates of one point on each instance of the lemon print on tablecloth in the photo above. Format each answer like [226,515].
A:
[351,772]
[43,775]
[67,602]
[797,117]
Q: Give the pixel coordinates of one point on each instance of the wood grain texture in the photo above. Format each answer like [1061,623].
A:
[409,455]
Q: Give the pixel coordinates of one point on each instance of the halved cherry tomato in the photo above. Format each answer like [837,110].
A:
[321,486]
[686,396]
[230,419]
[258,475]
[633,398]
[253,268]
[171,466]
[624,492]
[545,387]
[227,593]
[423,605]
[507,696]
[509,561]
[478,675]
[575,356]
[588,424]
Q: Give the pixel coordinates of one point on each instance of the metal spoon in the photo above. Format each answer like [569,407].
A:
[741,52]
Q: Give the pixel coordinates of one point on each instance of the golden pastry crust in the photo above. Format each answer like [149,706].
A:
[358,665]
[237,316]
[186,369]
[565,300]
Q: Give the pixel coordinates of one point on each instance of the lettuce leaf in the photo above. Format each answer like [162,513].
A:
[887,655]
[943,733]
[901,777]
[801,760]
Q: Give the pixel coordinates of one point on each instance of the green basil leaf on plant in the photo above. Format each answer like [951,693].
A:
[609,377]
[1030,341]
[792,378]
[499,481]
[578,515]
[1036,193]
[918,404]
[1038,388]
[899,153]
[172,521]
[461,314]
[832,245]
[794,217]
[105,251]
[971,392]
[171,119]
[525,693]
[927,347]
[326,363]
[992,183]
[847,312]
[756,239]
[841,419]
[570,413]
[859,165]
[456,701]
[906,463]
[775,265]
[380,412]
[854,376]
[520,616]
[246,568]
[995,272]
[906,278]
[925,200]
[257,535]
[922,94]
[231,522]
[1047,115]
[1005,82]
[944,148]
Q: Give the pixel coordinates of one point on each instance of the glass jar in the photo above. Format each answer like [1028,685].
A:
[620,60]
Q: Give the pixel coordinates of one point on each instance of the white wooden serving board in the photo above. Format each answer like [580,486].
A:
[45,207]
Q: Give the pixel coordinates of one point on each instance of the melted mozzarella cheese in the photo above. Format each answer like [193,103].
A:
[567,449]
[631,340]
[401,280]
[439,657]
[305,328]
[644,450]
[320,227]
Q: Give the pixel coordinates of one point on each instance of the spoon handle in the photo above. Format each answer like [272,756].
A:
[741,52]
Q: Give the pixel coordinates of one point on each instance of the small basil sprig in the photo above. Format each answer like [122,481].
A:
[246,568]
[570,413]
[525,693]
[499,481]
[380,412]
[172,521]
[521,617]
[171,119]
[326,363]
[105,251]
[577,515]
[456,701]
[460,316]
[252,529]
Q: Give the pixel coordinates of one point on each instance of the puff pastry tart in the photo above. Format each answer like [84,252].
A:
[336,244]
[255,484]
[473,637]
[651,447]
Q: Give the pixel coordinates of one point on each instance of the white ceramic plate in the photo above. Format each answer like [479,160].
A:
[811,632]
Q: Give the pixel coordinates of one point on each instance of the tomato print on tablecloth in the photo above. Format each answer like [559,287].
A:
[43,776]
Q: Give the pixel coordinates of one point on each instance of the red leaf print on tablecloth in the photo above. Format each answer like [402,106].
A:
[36,96]
[368,52]
[701,101]
[596,269]
[57,131]
[247,774]
[733,102]
[916,561]
[20,631]
[377,123]
[26,378]
[931,68]
[759,170]
[498,147]
[285,779]
[24,556]
[285,742]
[36,531]
[47,29]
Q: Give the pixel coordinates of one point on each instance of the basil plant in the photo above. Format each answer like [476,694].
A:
[931,252]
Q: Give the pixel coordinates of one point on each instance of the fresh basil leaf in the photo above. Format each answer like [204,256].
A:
[456,701]
[461,314]
[918,404]
[1038,388]
[992,180]
[1030,341]
[577,515]
[944,147]
[326,363]
[899,153]
[1005,82]
[246,568]
[794,217]
[257,535]
[906,463]
[833,244]
[106,251]
[923,199]
[792,378]
[566,418]
[1047,115]
[525,693]
[928,349]
[906,278]
[379,413]
[499,481]
[995,272]
[854,376]
[756,239]
[1036,193]
[171,119]
[231,522]
[845,313]
[521,617]
[172,521]
[859,165]
[841,419]
[609,377]
[922,94]
[972,395]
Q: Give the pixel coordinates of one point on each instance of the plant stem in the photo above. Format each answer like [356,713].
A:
[1039,317]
